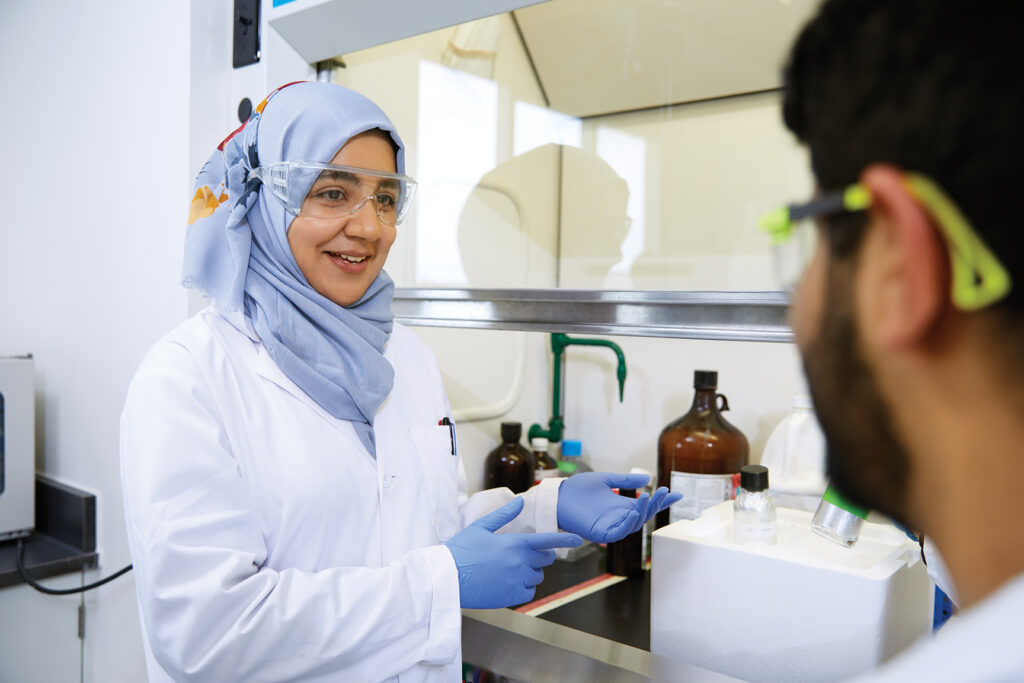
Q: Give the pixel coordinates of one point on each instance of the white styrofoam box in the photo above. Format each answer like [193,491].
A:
[806,609]
[17,446]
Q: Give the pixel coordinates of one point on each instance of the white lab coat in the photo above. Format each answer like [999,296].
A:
[982,644]
[268,544]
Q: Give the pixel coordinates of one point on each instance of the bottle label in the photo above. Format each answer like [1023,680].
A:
[543,473]
[699,491]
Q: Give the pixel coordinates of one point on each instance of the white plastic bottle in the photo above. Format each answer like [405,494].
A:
[795,455]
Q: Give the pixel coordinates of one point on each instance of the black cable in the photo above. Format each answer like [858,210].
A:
[60,591]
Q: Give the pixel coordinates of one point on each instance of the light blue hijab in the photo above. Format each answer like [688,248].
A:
[237,253]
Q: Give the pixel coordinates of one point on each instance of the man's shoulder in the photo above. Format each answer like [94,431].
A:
[980,644]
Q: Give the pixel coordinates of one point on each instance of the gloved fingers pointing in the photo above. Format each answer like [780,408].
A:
[670,499]
[502,516]
[627,519]
[541,558]
[533,578]
[553,540]
[657,502]
[626,481]
[642,505]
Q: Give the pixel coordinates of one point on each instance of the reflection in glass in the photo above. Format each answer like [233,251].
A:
[587,145]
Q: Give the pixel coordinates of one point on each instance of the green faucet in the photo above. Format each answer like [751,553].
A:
[558,343]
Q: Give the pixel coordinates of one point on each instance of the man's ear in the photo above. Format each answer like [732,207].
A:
[903,276]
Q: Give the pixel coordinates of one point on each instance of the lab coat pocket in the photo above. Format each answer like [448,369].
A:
[441,469]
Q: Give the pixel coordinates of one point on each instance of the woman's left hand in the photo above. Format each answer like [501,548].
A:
[587,505]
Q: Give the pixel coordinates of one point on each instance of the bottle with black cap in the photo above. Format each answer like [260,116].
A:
[753,511]
[699,453]
[510,464]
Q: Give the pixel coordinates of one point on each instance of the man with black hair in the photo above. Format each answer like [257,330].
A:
[909,312]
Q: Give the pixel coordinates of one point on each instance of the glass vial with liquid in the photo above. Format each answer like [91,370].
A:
[510,464]
[546,465]
[754,517]
[699,453]
[838,519]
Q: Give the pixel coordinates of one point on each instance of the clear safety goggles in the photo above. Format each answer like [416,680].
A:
[979,279]
[331,192]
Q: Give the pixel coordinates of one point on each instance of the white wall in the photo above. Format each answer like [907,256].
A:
[109,110]
[95,174]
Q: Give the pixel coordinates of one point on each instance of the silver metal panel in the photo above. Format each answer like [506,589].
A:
[17,446]
[322,29]
[725,316]
[526,648]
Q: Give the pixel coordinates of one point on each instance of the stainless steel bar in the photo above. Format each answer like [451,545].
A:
[533,650]
[726,316]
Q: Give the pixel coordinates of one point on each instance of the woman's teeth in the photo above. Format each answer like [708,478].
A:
[350,259]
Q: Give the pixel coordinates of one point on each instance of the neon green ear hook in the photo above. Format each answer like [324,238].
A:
[777,224]
[856,198]
[979,279]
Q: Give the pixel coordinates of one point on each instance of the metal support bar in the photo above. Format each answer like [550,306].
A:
[526,648]
[725,316]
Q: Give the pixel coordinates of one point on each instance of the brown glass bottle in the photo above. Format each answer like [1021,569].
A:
[547,467]
[699,453]
[509,464]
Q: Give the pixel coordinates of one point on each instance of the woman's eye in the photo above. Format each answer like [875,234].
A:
[385,200]
[331,195]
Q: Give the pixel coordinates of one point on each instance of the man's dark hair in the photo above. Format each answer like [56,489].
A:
[932,86]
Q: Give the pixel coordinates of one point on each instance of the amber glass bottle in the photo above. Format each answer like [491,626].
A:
[510,464]
[699,453]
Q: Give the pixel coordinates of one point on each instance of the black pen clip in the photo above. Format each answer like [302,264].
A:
[446,422]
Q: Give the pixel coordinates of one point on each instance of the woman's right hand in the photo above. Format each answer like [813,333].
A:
[501,570]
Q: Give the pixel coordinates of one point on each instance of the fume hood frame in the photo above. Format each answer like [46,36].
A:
[720,316]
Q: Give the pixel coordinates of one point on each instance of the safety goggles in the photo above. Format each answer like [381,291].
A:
[979,279]
[331,192]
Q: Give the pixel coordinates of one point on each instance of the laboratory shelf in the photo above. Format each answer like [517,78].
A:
[721,316]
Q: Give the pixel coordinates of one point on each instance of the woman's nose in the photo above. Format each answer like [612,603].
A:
[363,221]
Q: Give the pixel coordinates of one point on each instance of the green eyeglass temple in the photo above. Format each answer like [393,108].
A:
[979,279]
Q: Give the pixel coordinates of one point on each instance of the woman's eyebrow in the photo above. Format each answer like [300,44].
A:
[343,176]
[347,177]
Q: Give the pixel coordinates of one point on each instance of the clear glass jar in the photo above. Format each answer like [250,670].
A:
[838,519]
[755,519]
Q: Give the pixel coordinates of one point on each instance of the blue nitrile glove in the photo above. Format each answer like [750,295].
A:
[587,505]
[500,570]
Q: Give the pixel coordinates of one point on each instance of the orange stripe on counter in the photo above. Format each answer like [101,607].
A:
[564,597]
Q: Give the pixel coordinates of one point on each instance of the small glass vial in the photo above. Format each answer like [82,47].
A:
[754,515]
[838,519]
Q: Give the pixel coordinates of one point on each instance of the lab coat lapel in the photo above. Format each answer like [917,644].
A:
[266,368]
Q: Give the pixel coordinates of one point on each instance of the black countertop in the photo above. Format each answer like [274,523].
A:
[64,539]
[620,612]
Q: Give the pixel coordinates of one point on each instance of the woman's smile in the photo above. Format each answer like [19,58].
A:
[349,262]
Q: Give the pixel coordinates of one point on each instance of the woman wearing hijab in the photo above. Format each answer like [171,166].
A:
[294,508]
